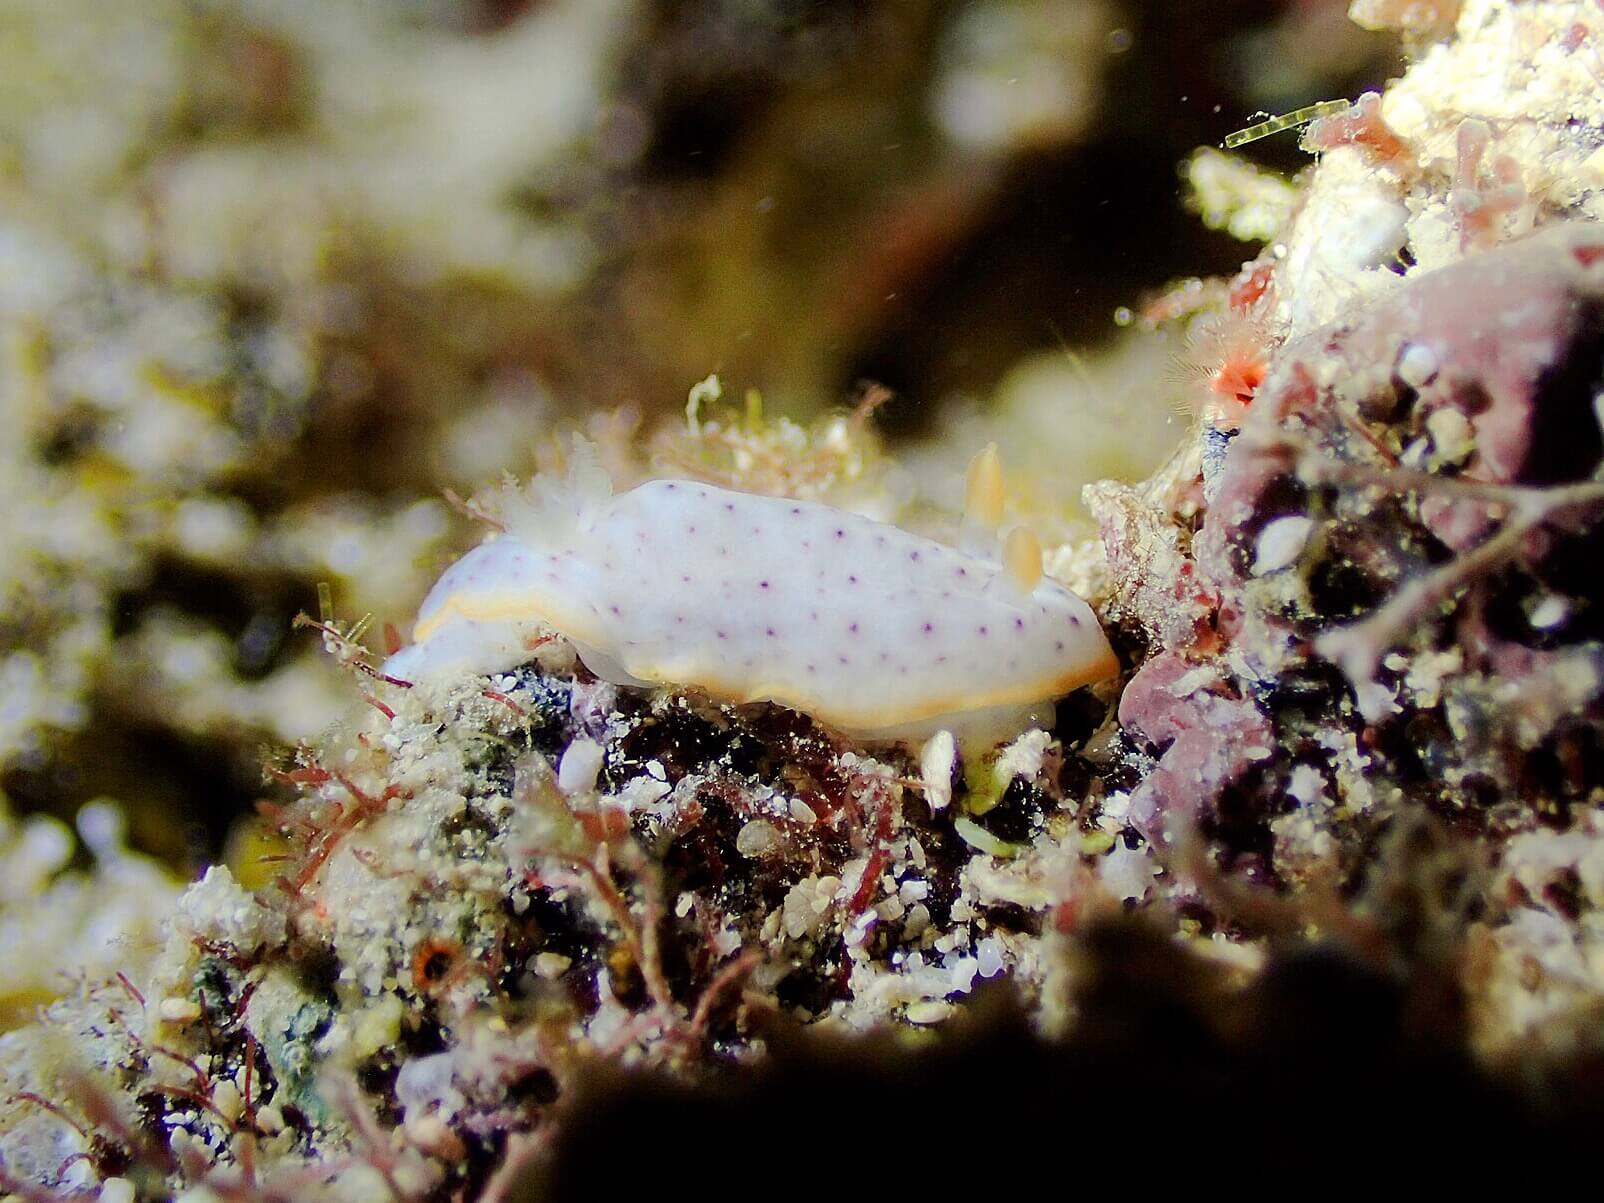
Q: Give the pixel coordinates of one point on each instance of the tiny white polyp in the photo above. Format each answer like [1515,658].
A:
[864,626]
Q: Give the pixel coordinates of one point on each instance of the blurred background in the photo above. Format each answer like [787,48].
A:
[276,274]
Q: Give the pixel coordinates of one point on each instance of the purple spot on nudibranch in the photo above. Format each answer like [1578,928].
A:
[1019,624]
[962,571]
[913,555]
[853,628]
[614,609]
[929,627]
[796,509]
[729,506]
[1074,620]
[721,634]
[839,533]
[769,632]
[981,632]
[1059,646]
[686,579]
[671,486]
[852,579]
[843,660]
[762,584]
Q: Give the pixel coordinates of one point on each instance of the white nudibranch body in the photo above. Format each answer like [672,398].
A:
[866,627]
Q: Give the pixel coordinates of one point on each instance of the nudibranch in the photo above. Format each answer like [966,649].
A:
[868,628]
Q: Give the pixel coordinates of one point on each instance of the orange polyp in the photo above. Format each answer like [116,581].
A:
[1250,287]
[1228,353]
[1232,387]
[1238,379]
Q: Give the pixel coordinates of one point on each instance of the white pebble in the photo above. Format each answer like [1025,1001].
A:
[45,845]
[1549,613]
[1127,872]
[581,763]
[1280,543]
[102,825]
[552,965]
[932,1010]
[989,960]
[1451,433]
[916,922]
[758,838]
[226,1098]
[1418,365]
[937,759]
[178,1010]
[1308,786]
